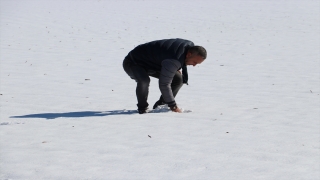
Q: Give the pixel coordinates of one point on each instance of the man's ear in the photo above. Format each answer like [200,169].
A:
[188,54]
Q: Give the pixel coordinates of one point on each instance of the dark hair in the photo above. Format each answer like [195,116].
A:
[198,50]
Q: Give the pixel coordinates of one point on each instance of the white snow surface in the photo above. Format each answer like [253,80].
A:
[68,110]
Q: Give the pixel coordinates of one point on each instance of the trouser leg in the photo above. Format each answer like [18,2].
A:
[140,75]
[142,90]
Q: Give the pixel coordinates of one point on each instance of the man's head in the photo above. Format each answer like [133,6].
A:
[195,55]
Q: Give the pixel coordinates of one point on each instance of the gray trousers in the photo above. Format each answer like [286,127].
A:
[141,76]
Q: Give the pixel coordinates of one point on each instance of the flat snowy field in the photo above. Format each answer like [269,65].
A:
[68,110]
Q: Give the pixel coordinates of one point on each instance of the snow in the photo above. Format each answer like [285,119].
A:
[68,110]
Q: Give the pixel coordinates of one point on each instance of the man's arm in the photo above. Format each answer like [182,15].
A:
[168,70]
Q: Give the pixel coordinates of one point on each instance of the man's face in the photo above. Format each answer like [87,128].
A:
[193,59]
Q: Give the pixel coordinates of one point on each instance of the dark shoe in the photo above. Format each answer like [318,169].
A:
[143,111]
[158,103]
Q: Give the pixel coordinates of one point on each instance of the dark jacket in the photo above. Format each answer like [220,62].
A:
[150,55]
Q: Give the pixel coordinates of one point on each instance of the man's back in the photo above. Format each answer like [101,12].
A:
[151,54]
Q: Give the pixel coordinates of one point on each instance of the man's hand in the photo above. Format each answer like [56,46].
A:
[175,109]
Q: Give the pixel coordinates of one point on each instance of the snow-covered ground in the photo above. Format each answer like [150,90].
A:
[68,108]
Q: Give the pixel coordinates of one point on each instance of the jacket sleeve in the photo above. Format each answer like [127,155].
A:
[168,70]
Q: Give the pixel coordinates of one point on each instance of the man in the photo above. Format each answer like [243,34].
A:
[162,59]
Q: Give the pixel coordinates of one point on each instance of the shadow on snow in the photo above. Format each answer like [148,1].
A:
[78,114]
